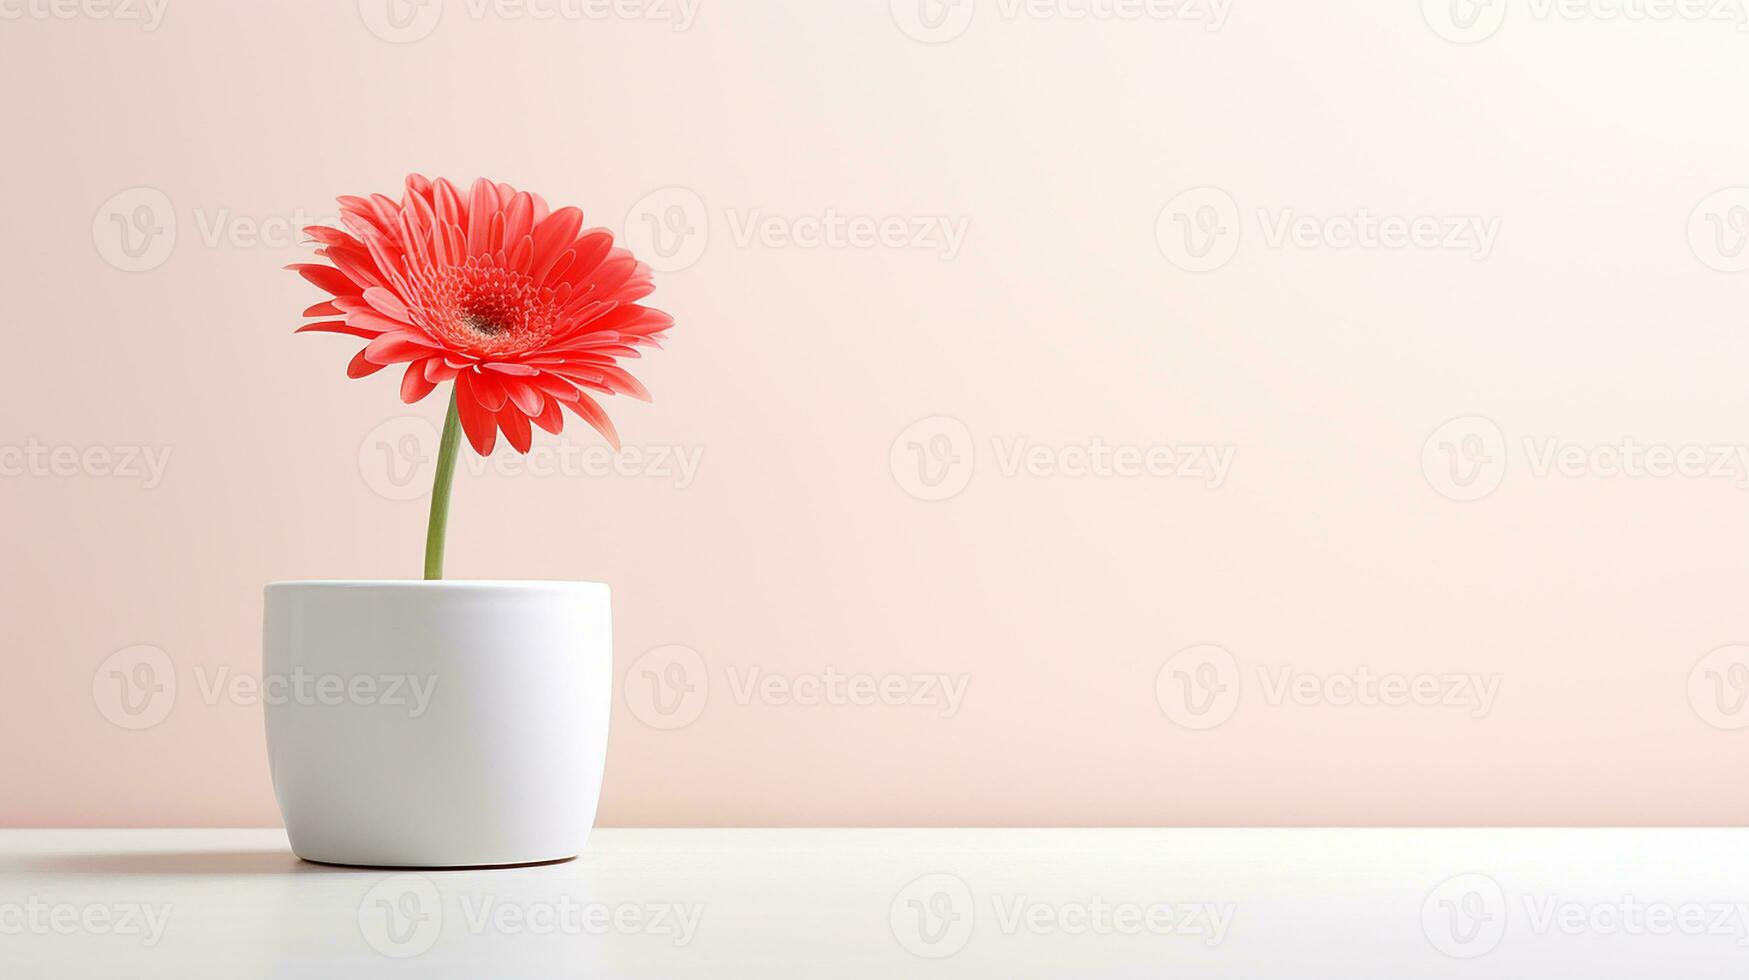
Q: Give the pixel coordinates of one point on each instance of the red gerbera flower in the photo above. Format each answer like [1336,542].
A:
[527,311]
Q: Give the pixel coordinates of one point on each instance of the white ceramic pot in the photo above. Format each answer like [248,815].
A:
[437,724]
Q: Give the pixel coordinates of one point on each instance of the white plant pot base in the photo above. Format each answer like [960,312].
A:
[444,724]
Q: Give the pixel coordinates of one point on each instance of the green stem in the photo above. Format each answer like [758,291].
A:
[439,526]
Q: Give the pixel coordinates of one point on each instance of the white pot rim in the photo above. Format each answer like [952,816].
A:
[455,584]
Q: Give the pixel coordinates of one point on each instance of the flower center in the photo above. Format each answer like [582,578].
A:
[482,324]
[485,310]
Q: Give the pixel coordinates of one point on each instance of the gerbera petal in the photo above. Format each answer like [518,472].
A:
[650,323]
[563,359]
[495,238]
[633,319]
[600,386]
[555,386]
[361,224]
[482,208]
[519,218]
[616,269]
[386,212]
[624,384]
[591,247]
[583,375]
[339,326]
[480,426]
[358,367]
[551,417]
[333,237]
[515,426]
[589,411]
[523,396]
[375,321]
[556,272]
[327,277]
[393,348]
[363,270]
[436,371]
[552,238]
[388,304]
[357,214]
[417,220]
[488,390]
[446,201]
[522,255]
[414,384]
[635,288]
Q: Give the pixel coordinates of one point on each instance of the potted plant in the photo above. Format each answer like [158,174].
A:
[435,722]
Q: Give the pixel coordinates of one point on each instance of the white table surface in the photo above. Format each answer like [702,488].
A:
[895,903]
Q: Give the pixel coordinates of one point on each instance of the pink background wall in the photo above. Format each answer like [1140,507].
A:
[1572,612]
